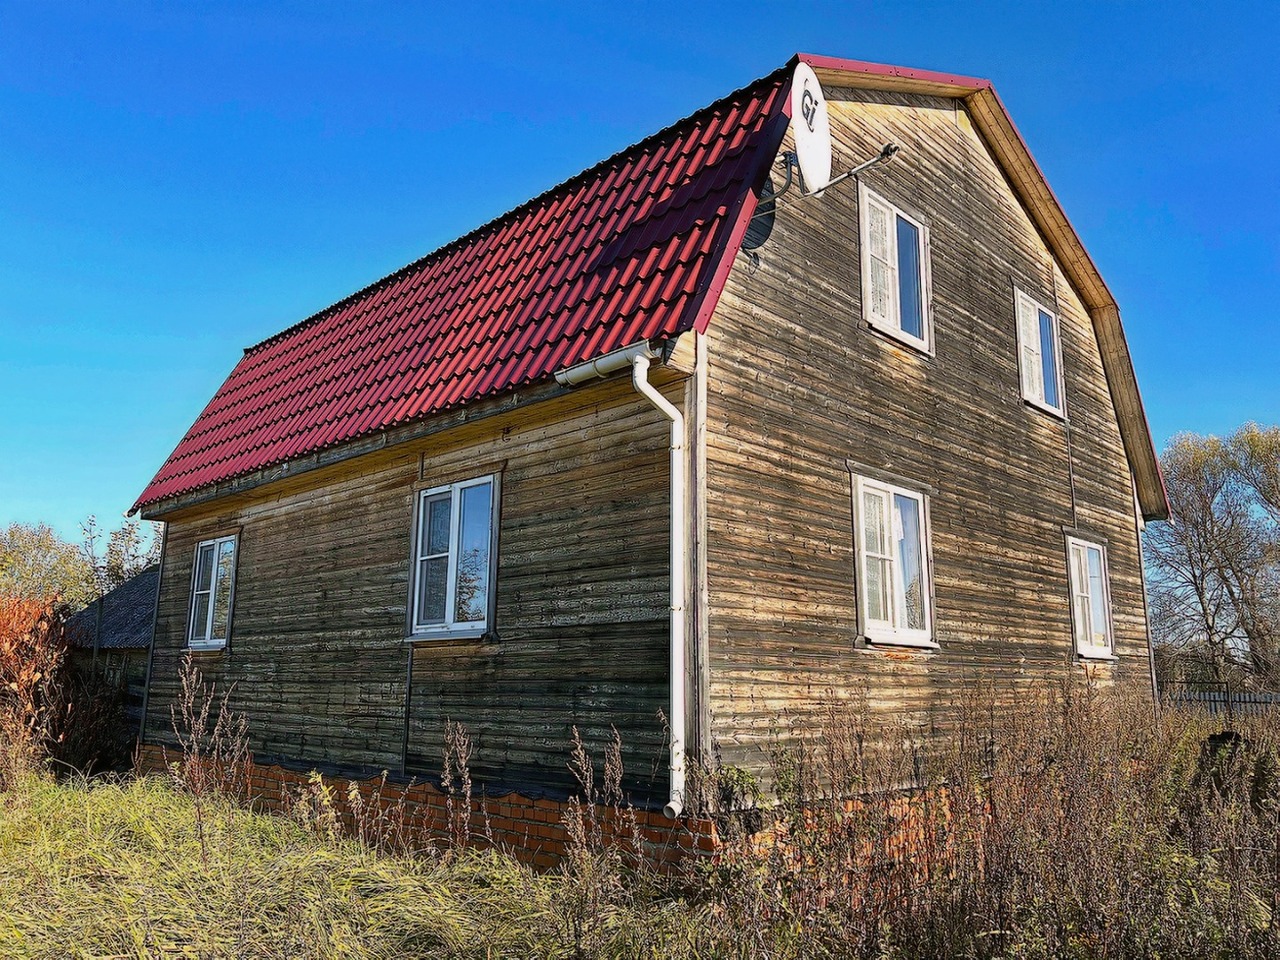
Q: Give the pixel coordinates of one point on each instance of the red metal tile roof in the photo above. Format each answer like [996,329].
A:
[631,249]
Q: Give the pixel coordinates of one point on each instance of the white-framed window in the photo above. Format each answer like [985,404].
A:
[1090,598]
[454,557]
[213,578]
[895,603]
[1039,354]
[895,271]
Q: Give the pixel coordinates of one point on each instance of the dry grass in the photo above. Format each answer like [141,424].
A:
[1074,825]
[129,869]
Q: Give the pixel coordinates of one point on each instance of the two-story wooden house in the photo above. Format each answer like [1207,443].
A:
[647,454]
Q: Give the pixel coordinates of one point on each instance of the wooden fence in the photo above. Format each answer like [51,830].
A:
[1219,699]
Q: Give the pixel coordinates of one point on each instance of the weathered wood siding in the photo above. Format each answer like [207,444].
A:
[799,384]
[317,654]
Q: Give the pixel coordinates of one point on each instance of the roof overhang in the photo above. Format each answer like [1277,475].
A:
[997,129]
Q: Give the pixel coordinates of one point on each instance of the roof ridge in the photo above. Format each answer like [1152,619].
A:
[502,218]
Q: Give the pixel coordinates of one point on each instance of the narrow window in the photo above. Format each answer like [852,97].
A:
[1090,598]
[454,558]
[895,271]
[212,590]
[1039,355]
[893,563]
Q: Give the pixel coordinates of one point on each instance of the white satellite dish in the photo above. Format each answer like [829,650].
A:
[812,129]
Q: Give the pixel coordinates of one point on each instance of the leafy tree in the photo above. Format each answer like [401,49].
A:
[36,564]
[1213,570]
[128,550]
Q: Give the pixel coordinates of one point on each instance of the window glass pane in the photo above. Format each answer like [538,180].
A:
[911,301]
[1080,611]
[1029,341]
[1049,360]
[878,230]
[1079,570]
[435,532]
[1032,375]
[222,589]
[873,512]
[433,578]
[204,567]
[1097,598]
[200,616]
[471,592]
[878,576]
[881,306]
[906,512]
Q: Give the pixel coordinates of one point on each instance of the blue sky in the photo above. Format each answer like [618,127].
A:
[178,181]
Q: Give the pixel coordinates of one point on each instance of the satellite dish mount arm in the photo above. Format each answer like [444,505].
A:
[770,204]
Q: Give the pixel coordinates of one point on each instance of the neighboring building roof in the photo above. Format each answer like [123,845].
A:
[128,615]
[637,247]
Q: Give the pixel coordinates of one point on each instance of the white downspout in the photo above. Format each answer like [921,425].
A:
[679,560]
[638,356]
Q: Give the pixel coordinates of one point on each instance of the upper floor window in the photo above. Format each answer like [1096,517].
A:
[1090,598]
[892,539]
[453,558]
[212,593]
[1039,354]
[895,271]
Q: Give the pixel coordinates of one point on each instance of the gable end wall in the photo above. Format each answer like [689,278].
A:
[799,385]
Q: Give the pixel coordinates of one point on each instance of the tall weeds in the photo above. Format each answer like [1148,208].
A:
[214,761]
[1074,824]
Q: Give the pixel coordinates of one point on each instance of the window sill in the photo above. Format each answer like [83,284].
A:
[892,640]
[1045,408]
[198,647]
[1097,656]
[921,347]
[461,633]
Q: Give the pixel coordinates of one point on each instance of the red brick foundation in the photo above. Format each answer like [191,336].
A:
[535,831]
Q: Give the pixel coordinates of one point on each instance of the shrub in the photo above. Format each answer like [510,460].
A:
[32,651]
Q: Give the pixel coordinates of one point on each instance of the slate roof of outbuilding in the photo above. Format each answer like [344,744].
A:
[623,252]
[128,614]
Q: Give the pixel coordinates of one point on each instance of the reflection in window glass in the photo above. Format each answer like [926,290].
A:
[472,587]
[454,566]
[1097,599]
[222,595]
[437,529]
[212,590]
[910,550]
[432,586]
[893,564]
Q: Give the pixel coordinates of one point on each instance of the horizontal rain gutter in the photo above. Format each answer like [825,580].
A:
[639,357]
[610,363]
